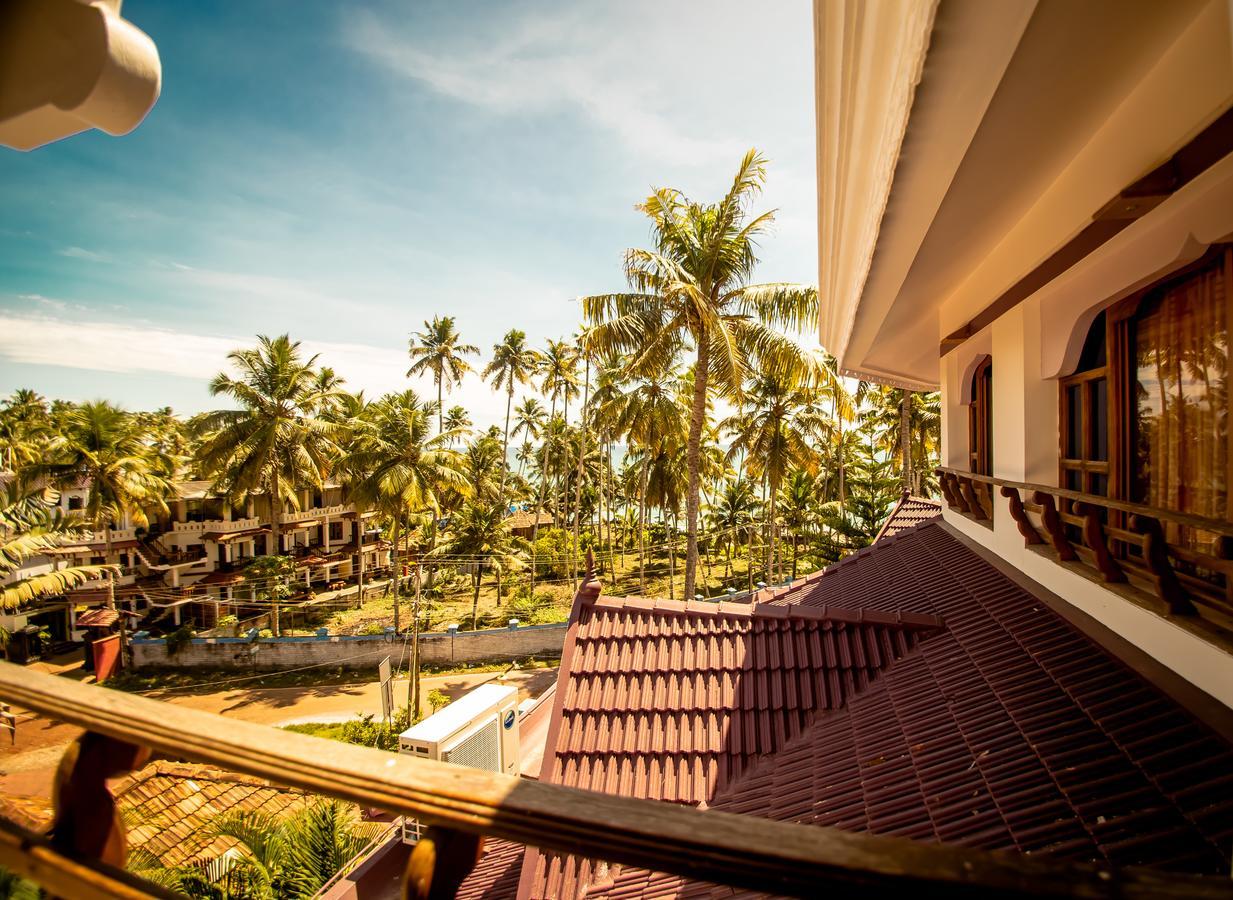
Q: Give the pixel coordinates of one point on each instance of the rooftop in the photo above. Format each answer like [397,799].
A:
[911,690]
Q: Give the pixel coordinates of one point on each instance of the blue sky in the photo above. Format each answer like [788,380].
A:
[342,171]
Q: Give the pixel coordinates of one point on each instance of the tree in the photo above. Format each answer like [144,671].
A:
[293,856]
[277,442]
[694,285]
[271,578]
[104,448]
[458,422]
[513,363]
[394,465]
[732,513]
[481,533]
[439,349]
[31,525]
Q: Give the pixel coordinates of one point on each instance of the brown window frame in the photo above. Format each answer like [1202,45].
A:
[980,420]
[1119,337]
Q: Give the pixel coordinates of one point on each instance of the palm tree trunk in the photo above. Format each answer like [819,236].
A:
[479,575]
[397,573]
[413,684]
[582,453]
[359,546]
[509,400]
[905,438]
[671,531]
[696,417]
[440,408]
[543,482]
[642,528]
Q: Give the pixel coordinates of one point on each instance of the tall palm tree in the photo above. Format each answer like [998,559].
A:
[396,466]
[104,449]
[480,531]
[277,442]
[513,363]
[439,349]
[31,524]
[458,422]
[732,512]
[694,284]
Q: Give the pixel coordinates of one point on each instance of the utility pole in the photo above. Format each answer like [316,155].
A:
[413,685]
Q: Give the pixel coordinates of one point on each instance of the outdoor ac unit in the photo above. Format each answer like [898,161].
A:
[479,729]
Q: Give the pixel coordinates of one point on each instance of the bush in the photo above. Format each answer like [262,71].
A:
[552,552]
[179,639]
[438,700]
[372,628]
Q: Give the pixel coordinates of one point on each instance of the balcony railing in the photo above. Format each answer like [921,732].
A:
[85,855]
[1148,550]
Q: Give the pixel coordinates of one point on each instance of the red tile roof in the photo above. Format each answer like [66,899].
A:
[908,512]
[912,689]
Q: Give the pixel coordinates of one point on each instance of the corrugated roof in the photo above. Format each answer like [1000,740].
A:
[169,807]
[909,512]
[1005,728]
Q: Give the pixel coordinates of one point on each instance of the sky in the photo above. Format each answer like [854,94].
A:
[343,171]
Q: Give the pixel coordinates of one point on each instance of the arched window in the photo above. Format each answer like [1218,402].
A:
[980,420]
[1145,416]
[1085,416]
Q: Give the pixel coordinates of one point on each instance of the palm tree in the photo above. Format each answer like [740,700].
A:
[732,512]
[293,856]
[694,285]
[458,422]
[395,466]
[513,363]
[439,349]
[104,449]
[774,434]
[31,524]
[480,531]
[277,442]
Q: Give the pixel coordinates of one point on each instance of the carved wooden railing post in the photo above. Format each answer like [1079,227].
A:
[440,862]
[1156,556]
[1094,537]
[1019,515]
[957,492]
[87,821]
[1053,525]
[975,509]
[947,491]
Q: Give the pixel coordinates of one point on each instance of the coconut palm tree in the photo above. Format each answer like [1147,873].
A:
[439,349]
[480,532]
[293,856]
[277,442]
[31,524]
[104,449]
[732,512]
[694,284]
[396,466]
[458,422]
[513,363]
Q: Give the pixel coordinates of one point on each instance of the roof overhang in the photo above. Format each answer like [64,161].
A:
[1025,119]
[67,66]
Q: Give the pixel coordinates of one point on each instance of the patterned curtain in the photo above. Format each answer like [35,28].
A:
[1181,397]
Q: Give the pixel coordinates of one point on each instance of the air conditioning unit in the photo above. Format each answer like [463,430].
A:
[479,729]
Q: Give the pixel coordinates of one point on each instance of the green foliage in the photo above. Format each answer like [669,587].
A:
[365,730]
[179,639]
[553,550]
[372,628]
[14,887]
[438,700]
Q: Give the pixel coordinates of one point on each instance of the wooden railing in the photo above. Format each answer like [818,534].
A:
[461,804]
[1120,542]
[967,493]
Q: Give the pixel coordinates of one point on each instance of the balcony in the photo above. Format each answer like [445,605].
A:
[1177,565]
[463,805]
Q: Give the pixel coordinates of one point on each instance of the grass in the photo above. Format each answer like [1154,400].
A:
[206,680]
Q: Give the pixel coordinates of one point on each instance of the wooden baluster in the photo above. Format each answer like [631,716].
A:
[1094,537]
[975,510]
[947,491]
[1156,556]
[1019,514]
[87,821]
[1053,525]
[960,504]
[440,862]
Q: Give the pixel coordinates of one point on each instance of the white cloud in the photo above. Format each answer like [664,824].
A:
[82,253]
[571,60]
[142,348]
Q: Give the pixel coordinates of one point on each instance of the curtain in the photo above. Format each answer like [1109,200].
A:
[1181,451]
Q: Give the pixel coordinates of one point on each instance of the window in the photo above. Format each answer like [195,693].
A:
[1085,416]
[1145,416]
[336,531]
[980,420]
[74,503]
